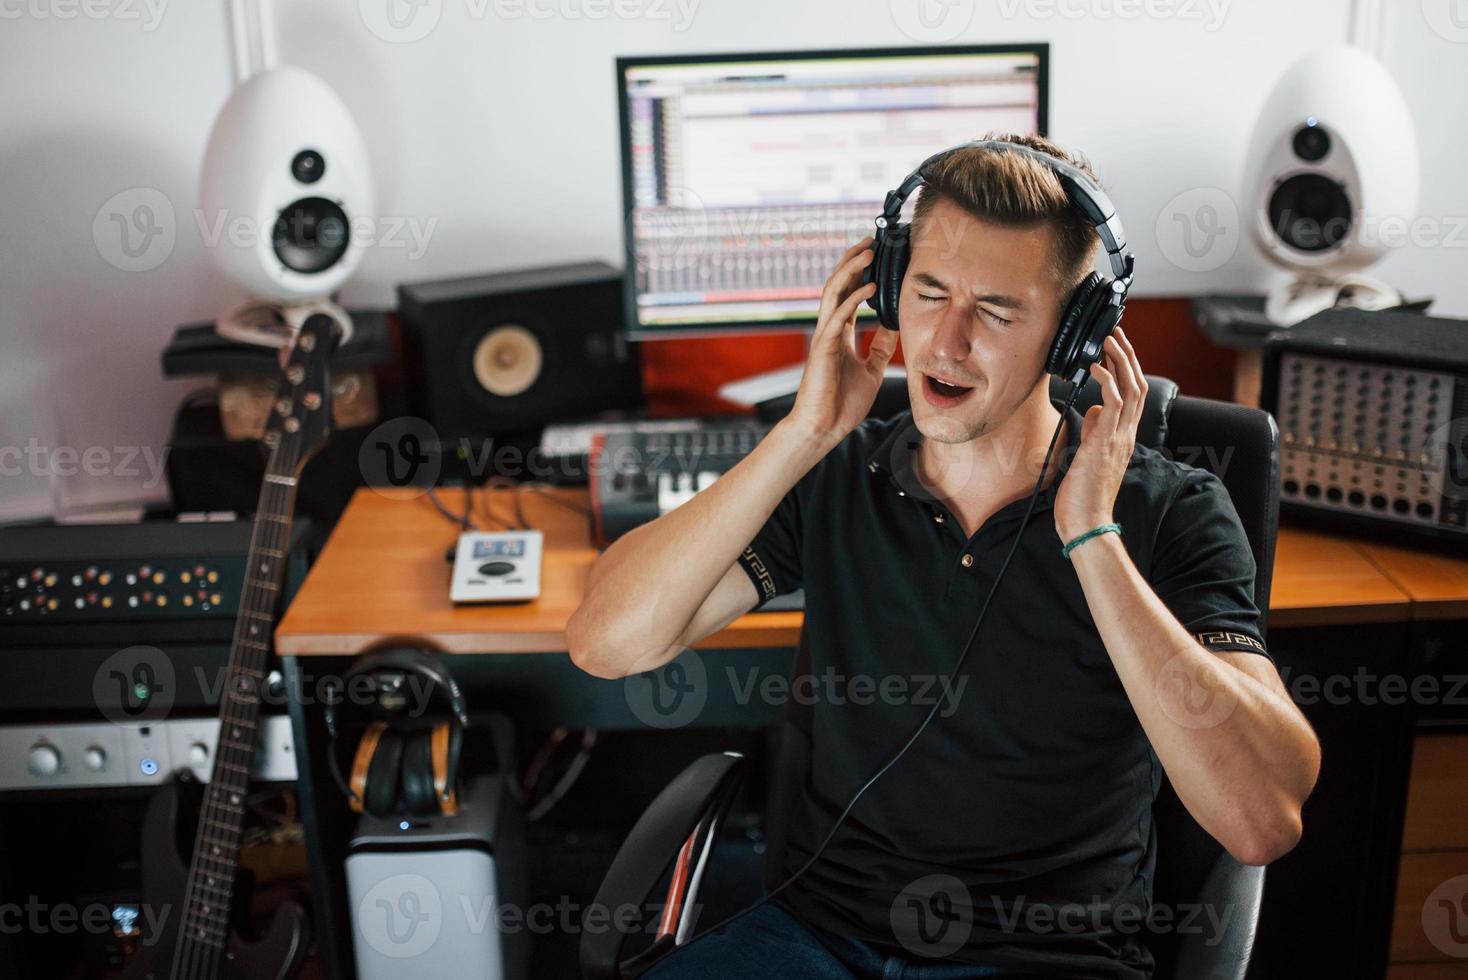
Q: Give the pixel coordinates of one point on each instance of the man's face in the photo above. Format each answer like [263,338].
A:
[978,309]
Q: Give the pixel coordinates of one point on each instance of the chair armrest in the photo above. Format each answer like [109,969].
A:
[1205,889]
[694,802]
[1236,890]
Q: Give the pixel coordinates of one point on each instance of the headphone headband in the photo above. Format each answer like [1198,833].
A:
[1084,193]
[409,661]
[1095,305]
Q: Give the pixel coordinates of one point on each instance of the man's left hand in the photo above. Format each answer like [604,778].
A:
[1108,435]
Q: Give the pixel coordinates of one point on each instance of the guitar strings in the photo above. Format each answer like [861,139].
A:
[231,750]
[196,953]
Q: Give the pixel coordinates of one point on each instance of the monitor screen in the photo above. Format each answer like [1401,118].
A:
[746,176]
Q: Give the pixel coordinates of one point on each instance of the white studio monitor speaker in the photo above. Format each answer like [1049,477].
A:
[286,194]
[1335,170]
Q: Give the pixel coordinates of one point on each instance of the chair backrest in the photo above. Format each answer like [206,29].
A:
[1240,446]
[1194,874]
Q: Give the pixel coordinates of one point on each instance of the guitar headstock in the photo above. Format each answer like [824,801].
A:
[300,419]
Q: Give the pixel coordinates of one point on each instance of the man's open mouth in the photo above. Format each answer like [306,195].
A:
[946,389]
[944,394]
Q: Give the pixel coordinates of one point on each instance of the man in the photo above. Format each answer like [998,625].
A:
[1028,800]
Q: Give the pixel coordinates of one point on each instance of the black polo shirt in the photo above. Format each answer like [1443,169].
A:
[1027,803]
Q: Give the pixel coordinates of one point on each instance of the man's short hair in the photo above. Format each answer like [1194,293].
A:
[1017,191]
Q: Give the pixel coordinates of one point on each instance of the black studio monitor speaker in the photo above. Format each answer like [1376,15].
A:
[511,352]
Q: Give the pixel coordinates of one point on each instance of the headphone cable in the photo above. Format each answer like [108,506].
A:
[933,711]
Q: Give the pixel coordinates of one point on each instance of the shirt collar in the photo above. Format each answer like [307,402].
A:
[896,455]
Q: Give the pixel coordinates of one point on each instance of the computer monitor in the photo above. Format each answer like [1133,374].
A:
[746,176]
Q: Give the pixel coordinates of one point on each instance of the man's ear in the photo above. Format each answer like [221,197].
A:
[1044,378]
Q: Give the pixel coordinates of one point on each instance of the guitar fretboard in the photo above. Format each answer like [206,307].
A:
[205,924]
[300,422]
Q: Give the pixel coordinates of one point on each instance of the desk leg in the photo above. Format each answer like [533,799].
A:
[330,925]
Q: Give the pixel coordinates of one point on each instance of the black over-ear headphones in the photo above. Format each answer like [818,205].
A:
[406,755]
[1094,308]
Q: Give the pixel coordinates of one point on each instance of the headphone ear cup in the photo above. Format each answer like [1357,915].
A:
[355,785]
[1073,324]
[418,793]
[891,263]
[380,796]
[447,740]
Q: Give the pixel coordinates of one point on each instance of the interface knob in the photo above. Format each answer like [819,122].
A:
[45,760]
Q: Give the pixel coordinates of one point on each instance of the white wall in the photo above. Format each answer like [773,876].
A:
[496,134]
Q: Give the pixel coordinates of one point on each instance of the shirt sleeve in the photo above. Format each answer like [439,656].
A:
[1203,568]
[773,559]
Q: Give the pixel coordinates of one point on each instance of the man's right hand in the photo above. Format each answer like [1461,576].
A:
[839,385]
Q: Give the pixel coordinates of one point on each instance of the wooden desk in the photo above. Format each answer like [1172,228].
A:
[1338,606]
[1436,583]
[383,575]
[1324,580]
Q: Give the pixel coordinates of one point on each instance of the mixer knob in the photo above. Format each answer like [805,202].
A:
[45,760]
[198,754]
[96,758]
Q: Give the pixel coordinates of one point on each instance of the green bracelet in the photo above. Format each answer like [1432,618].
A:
[1076,542]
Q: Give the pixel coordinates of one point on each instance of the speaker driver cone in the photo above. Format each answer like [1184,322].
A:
[507,360]
[1310,212]
[311,235]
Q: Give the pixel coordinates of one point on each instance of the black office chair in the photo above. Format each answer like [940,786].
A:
[677,832]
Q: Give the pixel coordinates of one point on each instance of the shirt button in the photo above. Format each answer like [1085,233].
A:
[902,493]
[937,518]
[966,561]
[872,467]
